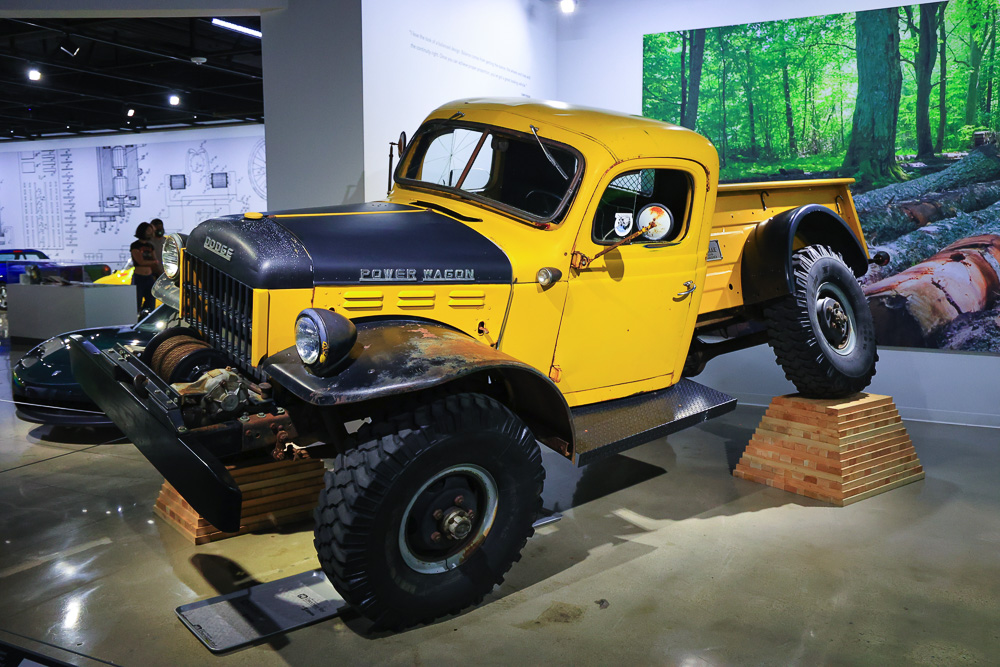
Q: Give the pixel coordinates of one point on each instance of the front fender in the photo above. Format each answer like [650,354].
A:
[394,357]
[766,270]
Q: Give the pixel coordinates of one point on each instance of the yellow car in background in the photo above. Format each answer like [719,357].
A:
[122,276]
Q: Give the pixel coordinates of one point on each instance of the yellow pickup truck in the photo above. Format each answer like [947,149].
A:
[539,274]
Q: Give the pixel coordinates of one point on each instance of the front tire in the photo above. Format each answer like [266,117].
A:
[429,512]
[822,334]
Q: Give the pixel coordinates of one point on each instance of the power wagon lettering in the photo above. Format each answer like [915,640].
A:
[410,275]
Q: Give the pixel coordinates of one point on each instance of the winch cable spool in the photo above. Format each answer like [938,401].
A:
[171,352]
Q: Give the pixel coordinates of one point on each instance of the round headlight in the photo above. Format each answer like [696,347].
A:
[323,339]
[172,256]
[307,342]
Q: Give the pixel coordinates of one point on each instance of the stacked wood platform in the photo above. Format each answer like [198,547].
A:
[274,493]
[837,451]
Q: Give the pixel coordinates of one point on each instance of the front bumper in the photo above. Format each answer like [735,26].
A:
[147,410]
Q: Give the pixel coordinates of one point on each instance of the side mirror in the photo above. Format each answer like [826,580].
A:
[400,146]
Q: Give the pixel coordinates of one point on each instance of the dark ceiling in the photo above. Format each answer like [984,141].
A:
[122,64]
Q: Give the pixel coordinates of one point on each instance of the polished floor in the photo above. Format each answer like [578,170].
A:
[662,558]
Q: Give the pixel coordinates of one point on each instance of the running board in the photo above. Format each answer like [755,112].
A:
[608,428]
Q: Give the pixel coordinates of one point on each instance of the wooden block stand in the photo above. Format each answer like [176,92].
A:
[838,451]
[274,493]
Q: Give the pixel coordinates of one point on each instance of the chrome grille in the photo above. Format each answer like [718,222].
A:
[220,308]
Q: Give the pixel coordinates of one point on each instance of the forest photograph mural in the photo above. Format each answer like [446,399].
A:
[904,100]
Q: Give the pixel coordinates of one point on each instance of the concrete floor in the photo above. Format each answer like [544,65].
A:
[697,567]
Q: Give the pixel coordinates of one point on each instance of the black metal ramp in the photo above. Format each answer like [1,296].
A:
[605,429]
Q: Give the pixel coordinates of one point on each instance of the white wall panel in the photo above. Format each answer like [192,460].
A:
[419,55]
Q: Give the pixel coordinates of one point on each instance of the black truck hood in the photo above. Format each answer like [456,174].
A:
[378,242]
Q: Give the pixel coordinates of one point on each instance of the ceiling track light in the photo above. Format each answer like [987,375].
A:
[236,28]
[34,74]
[174,100]
[69,47]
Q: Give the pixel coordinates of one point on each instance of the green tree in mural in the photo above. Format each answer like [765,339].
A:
[800,94]
[872,151]
[924,66]
[981,22]
[689,108]
[942,78]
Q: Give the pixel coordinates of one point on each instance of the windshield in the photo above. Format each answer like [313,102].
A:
[531,177]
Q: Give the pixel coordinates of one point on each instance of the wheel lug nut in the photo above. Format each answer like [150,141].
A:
[459,500]
[471,514]
[438,514]
[435,536]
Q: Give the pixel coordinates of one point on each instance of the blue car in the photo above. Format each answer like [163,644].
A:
[17,262]
[42,382]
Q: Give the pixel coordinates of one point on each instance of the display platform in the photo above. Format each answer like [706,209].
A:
[838,451]
[240,618]
[274,493]
[43,311]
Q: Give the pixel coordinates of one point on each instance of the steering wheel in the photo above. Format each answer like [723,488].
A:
[546,202]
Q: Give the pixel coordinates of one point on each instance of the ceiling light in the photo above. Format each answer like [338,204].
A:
[239,28]
[34,74]
[174,100]
[567,6]
[199,60]
[69,47]
[130,112]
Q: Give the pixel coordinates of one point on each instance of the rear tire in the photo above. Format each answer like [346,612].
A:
[429,512]
[822,334]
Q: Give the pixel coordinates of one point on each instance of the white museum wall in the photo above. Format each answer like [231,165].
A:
[419,55]
[81,198]
[599,63]
[311,57]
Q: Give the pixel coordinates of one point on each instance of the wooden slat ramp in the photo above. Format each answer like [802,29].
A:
[838,451]
[274,493]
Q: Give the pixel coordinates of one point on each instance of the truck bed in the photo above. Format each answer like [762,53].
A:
[740,207]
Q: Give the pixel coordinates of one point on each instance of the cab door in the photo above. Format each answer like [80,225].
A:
[629,315]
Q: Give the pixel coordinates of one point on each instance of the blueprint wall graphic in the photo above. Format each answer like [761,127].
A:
[84,199]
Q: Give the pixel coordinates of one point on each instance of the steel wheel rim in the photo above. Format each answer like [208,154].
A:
[485,487]
[837,321]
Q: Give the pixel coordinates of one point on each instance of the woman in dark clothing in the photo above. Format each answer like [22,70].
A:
[146,267]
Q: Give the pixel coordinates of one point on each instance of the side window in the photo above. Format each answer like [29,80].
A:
[635,199]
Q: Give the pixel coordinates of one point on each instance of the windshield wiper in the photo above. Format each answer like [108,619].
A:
[534,130]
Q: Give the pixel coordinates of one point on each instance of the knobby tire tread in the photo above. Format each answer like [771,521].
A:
[348,503]
[794,342]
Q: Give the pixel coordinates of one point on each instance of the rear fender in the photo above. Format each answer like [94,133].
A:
[766,270]
[396,357]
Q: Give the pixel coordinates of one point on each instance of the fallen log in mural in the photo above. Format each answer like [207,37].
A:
[917,307]
[924,242]
[980,165]
[904,217]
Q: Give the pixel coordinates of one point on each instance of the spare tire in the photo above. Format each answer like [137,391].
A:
[822,334]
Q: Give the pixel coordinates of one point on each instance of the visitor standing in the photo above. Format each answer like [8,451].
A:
[146,267]
[158,240]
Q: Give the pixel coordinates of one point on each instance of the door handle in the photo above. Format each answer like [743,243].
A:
[690,288]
